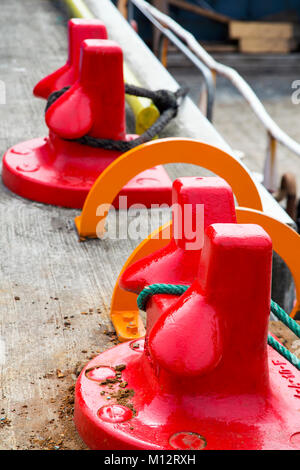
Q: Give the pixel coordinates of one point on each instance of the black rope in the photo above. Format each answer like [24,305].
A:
[167,102]
[54,96]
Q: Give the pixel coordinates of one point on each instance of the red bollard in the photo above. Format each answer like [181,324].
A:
[196,203]
[61,172]
[204,377]
[78,30]
[95,104]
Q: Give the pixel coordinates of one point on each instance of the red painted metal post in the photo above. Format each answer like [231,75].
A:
[78,31]
[95,104]
[57,171]
[204,376]
[211,320]
[196,203]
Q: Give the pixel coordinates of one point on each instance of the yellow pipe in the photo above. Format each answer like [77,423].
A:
[144,110]
[79,9]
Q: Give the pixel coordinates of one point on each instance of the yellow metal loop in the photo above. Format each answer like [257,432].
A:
[123,303]
[159,152]
[286,243]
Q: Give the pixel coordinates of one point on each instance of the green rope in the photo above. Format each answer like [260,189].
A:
[285,318]
[284,352]
[179,289]
[153,289]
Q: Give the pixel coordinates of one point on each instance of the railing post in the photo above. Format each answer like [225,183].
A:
[163,50]
[270,180]
[204,101]
[161,5]
[122,7]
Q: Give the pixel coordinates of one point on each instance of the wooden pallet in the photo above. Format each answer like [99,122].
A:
[265,37]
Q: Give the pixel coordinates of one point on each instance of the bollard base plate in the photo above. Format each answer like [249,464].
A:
[53,171]
[149,416]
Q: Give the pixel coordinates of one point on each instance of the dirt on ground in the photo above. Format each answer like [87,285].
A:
[59,433]
[286,337]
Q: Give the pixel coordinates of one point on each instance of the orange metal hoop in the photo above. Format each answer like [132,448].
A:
[286,242]
[173,150]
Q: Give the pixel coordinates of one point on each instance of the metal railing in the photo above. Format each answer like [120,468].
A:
[208,75]
[275,134]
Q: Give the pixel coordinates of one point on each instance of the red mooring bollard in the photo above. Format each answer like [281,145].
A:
[196,203]
[55,170]
[204,376]
[78,30]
